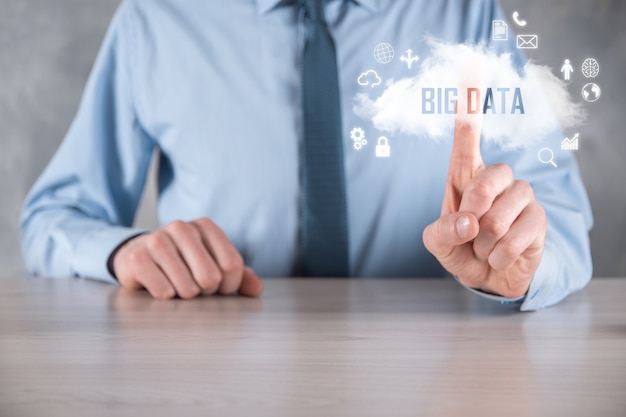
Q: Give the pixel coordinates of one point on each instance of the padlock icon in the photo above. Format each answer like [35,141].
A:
[383,150]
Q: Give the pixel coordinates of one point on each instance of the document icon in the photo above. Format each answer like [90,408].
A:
[527,41]
[568,144]
[499,30]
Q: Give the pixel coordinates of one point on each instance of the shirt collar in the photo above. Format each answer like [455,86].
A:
[264,6]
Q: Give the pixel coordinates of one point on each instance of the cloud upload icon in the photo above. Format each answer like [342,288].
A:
[370,78]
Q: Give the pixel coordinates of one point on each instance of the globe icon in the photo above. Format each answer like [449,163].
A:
[591,92]
[383,53]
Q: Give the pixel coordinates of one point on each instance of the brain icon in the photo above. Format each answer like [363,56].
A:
[590,68]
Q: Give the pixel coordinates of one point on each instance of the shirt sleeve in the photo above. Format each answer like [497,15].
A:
[83,205]
[566,265]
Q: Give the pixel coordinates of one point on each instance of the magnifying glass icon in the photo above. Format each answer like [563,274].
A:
[546,156]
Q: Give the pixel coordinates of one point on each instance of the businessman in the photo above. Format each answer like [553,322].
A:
[249,104]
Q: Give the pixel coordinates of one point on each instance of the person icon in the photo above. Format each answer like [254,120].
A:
[567,70]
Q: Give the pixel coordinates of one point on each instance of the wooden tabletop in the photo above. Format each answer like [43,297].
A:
[309,347]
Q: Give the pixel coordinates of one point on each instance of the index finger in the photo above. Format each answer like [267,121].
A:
[465,158]
[465,161]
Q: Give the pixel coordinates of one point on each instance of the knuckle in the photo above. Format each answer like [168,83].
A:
[540,213]
[204,223]
[481,189]
[135,255]
[232,263]
[138,257]
[493,226]
[208,281]
[504,170]
[157,242]
[511,248]
[178,227]
[525,188]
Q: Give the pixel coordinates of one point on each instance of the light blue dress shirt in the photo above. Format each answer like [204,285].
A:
[215,86]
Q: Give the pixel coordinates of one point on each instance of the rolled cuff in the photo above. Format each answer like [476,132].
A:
[546,288]
[93,251]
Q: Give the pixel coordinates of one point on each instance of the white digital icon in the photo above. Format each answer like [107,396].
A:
[546,156]
[568,144]
[358,137]
[369,77]
[383,53]
[519,22]
[499,30]
[567,70]
[590,68]
[591,92]
[383,150]
[527,41]
[409,58]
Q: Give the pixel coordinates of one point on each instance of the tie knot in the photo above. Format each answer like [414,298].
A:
[314,9]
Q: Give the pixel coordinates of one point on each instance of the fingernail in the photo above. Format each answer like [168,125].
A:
[463,227]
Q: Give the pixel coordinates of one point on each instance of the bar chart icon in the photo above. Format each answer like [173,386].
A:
[568,144]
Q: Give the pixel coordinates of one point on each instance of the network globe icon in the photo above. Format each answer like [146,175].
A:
[383,53]
[591,92]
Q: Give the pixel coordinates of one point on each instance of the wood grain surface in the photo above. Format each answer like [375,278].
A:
[309,347]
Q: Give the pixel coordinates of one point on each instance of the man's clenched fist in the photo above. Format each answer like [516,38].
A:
[185,259]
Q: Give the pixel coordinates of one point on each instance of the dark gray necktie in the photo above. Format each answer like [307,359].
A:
[324,214]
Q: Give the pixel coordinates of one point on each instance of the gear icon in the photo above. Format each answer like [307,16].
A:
[357,134]
[358,144]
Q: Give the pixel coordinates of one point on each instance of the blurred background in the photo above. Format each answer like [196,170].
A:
[47,49]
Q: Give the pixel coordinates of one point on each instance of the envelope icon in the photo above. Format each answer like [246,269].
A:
[527,41]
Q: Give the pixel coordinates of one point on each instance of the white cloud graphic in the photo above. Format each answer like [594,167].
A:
[547,105]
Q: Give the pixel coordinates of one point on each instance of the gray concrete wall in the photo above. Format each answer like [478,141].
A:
[47,48]
[577,29]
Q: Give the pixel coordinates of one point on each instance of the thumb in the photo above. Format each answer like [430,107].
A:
[448,233]
[251,284]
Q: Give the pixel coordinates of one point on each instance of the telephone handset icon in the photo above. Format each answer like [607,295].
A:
[517,20]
